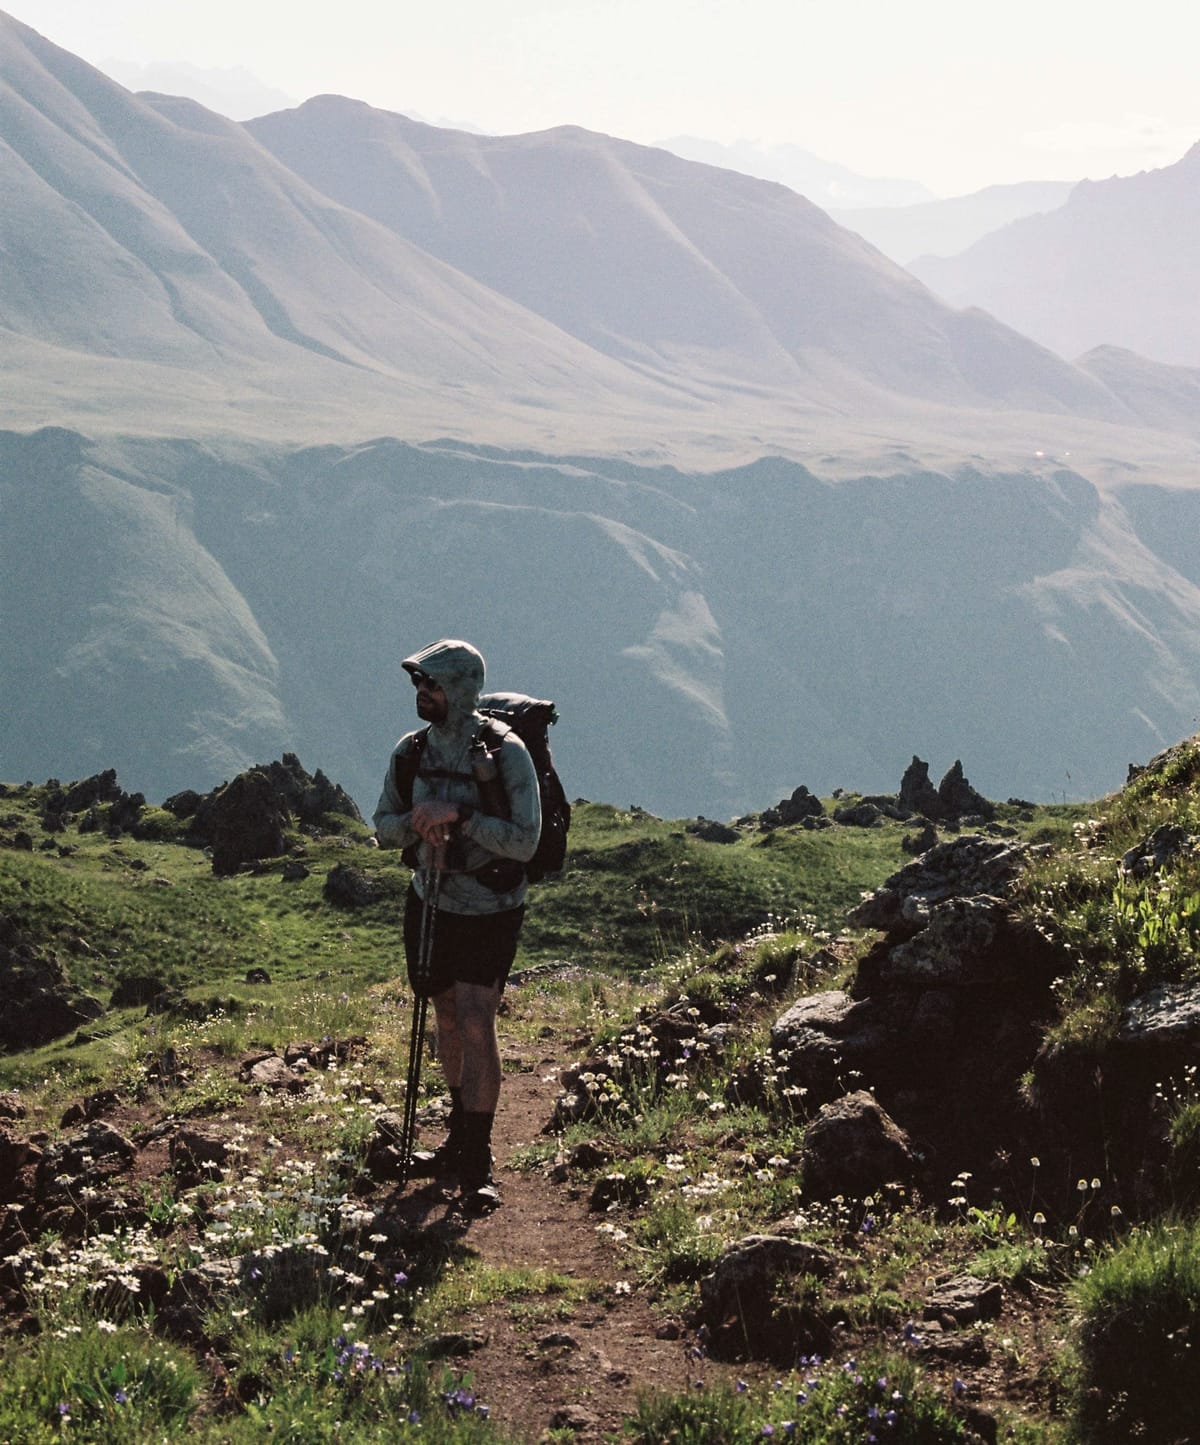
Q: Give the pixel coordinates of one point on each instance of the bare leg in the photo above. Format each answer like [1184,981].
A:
[478,1049]
[449,1039]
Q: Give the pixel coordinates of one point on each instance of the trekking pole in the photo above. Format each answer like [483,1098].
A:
[429,907]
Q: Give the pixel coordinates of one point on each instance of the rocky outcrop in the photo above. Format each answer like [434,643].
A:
[959,798]
[245,822]
[802,804]
[310,799]
[966,867]
[1158,851]
[943,1018]
[96,804]
[952,799]
[917,793]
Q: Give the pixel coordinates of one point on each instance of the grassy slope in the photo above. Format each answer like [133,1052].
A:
[637,911]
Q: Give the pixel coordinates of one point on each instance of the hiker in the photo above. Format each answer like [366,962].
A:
[480,836]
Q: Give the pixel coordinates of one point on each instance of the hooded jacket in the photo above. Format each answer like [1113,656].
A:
[445,773]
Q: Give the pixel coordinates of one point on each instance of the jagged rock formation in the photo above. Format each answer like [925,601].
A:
[953,797]
[245,819]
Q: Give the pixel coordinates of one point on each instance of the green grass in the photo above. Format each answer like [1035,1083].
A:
[1126,934]
[655,921]
[1138,1319]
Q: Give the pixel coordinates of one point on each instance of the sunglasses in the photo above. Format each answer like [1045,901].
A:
[422,679]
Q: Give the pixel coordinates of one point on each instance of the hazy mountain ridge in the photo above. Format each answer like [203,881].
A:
[209,565]
[667,262]
[1118,265]
[946,227]
[562,289]
[167,237]
[826,183]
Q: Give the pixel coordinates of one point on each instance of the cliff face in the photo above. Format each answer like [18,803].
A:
[710,640]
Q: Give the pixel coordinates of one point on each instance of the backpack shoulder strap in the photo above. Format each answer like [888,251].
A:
[405,766]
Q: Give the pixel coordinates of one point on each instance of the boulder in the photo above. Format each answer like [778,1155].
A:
[821,1040]
[198,1153]
[15,1153]
[801,805]
[858,815]
[741,1285]
[854,1147]
[711,832]
[964,1300]
[347,887]
[271,1073]
[1165,1020]
[954,945]
[920,842]
[11,1107]
[384,1159]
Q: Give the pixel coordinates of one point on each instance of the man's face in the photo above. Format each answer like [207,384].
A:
[431,700]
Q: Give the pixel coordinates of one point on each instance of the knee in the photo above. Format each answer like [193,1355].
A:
[477,1031]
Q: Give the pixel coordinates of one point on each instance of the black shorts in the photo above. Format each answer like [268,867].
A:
[467,947]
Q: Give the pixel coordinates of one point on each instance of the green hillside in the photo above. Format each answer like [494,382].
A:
[659,1129]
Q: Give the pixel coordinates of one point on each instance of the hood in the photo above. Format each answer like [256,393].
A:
[457,668]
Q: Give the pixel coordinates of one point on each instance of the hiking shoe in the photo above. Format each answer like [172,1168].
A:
[434,1163]
[477,1202]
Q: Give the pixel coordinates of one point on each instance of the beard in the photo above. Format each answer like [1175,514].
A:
[430,709]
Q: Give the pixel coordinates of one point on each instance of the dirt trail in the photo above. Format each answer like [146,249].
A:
[547,1363]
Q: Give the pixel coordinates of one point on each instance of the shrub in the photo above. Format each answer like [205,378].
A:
[1138,1313]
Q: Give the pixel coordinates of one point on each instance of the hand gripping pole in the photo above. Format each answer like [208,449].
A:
[432,882]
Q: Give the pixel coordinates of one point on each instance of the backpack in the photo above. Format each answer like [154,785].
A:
[530,718]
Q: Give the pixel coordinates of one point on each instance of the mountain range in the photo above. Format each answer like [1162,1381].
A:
[756,507]
[945,227]
[1117,265]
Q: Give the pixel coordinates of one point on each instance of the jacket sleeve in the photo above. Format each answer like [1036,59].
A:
[391,818]
[517,835]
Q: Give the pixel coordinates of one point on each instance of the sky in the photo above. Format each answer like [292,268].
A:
[955,94]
